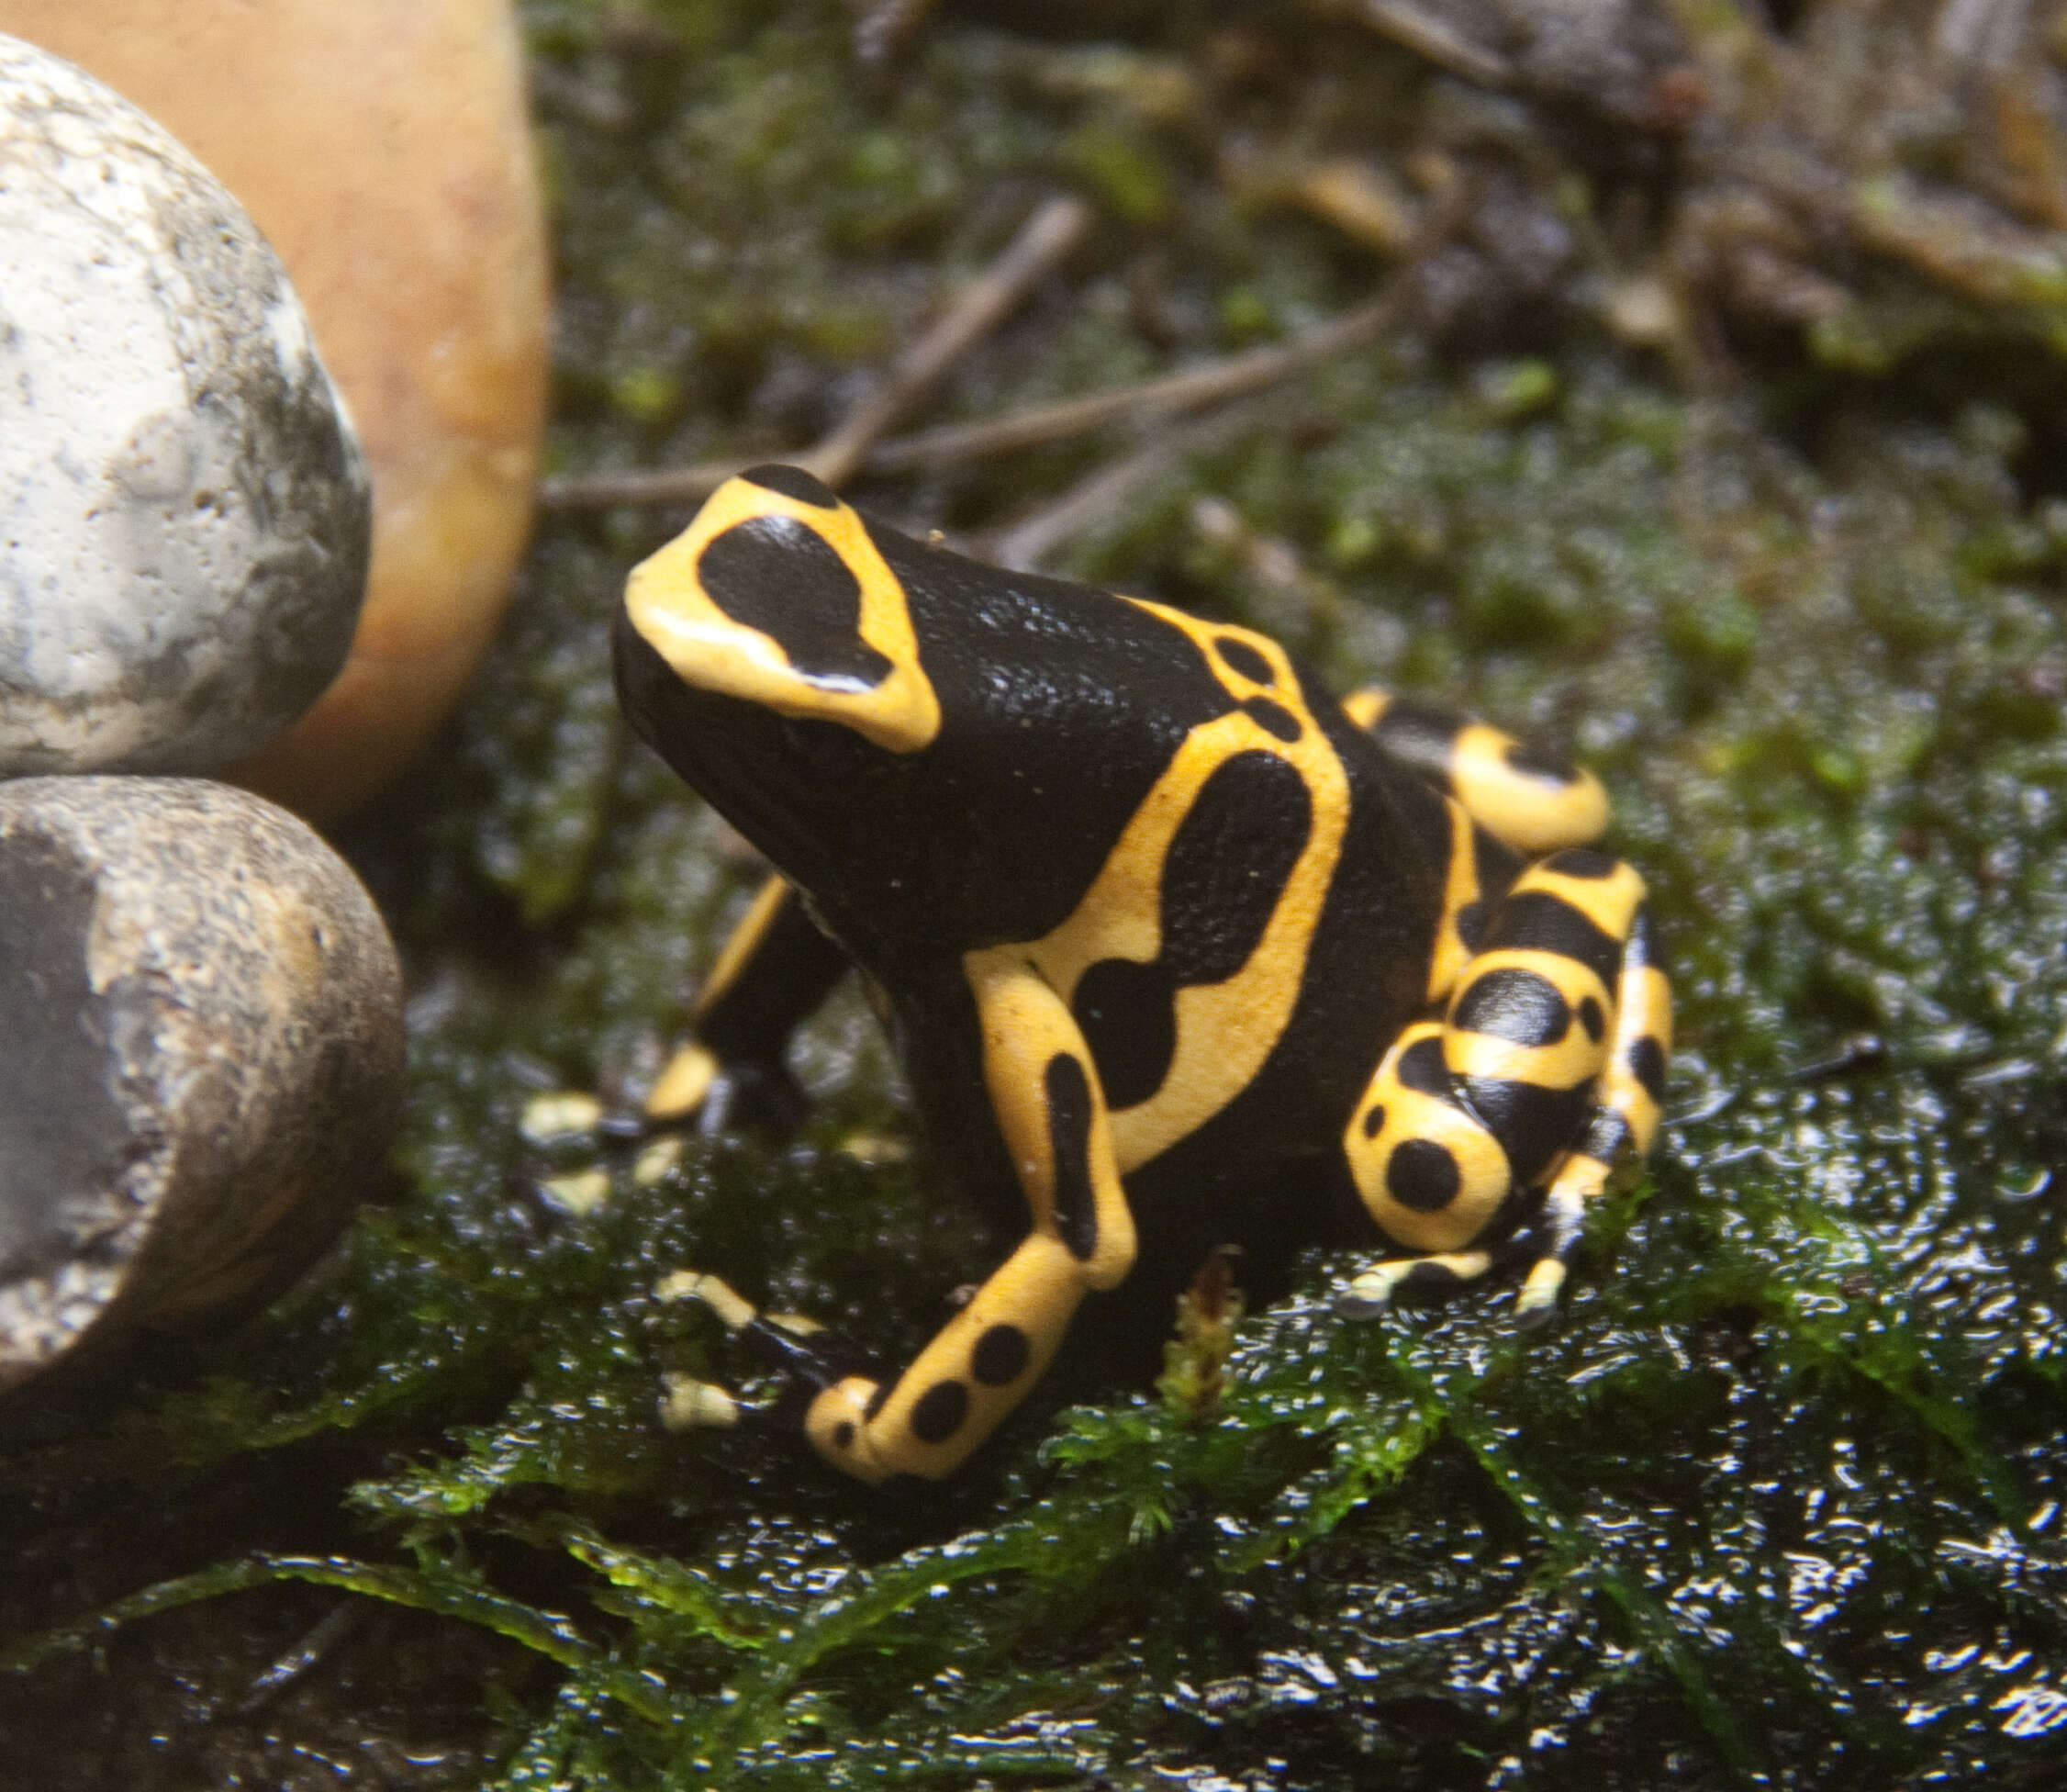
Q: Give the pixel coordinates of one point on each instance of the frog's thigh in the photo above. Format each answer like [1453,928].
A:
[1519,1078]
[1531,799]
[1429,1170]
[1044,1092]
[774,970]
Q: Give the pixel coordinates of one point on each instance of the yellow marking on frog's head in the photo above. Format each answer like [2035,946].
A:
[776,594]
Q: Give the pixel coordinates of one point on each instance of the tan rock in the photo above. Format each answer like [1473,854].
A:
[381,145]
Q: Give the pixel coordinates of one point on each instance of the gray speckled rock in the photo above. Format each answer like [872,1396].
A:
[200,1061]
[184,516]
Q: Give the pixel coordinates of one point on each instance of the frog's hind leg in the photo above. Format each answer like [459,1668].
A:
[776,967]
[1431,1173]
[1627,1097]
[1526,797]
[1545,1068]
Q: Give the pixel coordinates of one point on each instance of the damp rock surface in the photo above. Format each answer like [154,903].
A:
[201,1063]
[184,513]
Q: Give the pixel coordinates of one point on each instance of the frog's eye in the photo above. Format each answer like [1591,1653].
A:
[777,594]
[773,575]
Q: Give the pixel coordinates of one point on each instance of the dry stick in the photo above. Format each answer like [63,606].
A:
[1213,382]
[1050,234]
[1025,545]
[1416,30]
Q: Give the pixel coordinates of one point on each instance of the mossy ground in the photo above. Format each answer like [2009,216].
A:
[1778,1502]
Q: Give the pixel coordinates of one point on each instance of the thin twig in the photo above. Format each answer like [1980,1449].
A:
[666,484]
[1050,234]
[1415,30]
[1025,545]
[315,1647]
[1212,382]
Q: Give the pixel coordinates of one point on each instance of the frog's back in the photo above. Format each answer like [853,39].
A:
[1175,824]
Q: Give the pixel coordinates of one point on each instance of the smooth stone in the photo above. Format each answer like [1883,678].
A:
[385,148]
[202,1068]
[184,511]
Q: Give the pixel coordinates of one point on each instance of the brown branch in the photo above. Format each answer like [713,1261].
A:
[665,485]
[1046,237]
[1212,382]
[1049,235]
[1025,543]
[1425,35]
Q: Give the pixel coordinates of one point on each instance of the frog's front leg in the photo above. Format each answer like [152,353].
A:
[1044,1093]
[1546,1068]
[774,968]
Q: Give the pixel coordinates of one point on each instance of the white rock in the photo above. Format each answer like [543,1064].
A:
[184,510]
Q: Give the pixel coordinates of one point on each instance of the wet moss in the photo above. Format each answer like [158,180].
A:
[1778,1501]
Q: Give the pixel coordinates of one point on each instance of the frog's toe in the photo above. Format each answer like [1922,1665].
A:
[718,1095]
[683,1087]
[1368,1294]
[1537,1305]
[1364,1297]
[837,1424]
[689,1405]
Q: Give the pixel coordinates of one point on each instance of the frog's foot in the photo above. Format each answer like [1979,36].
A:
[1621,1122]
[789,1340]
[1564,1211]
[689,1404]
[1371,1293]
[926,1422]
[811,1357]
[699,1089]
[922,1423]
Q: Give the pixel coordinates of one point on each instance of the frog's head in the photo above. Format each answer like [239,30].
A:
[769,655]
[777,596]
[926,745]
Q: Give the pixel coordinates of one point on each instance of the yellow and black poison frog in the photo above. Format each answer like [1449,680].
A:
[1178,951]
